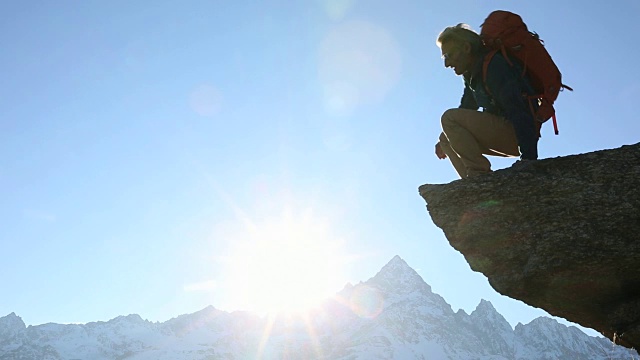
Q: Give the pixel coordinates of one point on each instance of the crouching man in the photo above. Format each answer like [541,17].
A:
[504,127]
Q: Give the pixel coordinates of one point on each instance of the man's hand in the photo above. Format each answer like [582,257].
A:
[439,153]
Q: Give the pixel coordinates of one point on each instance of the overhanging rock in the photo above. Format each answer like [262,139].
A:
[560,234]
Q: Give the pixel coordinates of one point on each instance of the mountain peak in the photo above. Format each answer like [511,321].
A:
[398,259]
[135,318]
[11,319]
[11,324]
[208,312]
[126,321]
[486,312]
[202,318]
[485,305]
[398,266]
[398,277]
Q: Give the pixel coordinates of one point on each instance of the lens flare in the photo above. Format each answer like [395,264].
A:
[337,9]
[367,302]
[359,63]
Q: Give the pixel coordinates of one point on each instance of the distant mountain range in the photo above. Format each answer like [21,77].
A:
[393,315]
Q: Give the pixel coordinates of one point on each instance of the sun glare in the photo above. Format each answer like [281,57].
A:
[285,263]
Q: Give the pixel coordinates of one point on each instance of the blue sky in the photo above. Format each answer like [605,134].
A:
[142,144]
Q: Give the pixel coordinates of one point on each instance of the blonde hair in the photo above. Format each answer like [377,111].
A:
[458,35]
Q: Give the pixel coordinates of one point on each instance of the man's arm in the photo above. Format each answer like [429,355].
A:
[439,152]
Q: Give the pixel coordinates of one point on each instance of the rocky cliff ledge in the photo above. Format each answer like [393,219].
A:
[561,234]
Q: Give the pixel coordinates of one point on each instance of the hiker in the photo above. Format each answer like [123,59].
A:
[505,126]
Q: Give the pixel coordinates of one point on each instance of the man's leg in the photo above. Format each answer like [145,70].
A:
[453,156]
[472,133]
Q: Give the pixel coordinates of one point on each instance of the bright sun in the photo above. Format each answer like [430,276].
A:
[285,263]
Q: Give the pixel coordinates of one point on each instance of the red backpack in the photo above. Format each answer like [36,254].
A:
[506,32]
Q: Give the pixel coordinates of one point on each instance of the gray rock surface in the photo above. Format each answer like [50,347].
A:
[561,234]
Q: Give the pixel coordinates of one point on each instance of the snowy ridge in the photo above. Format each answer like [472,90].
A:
[393,315]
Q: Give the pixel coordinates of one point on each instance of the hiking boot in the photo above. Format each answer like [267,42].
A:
[523,163]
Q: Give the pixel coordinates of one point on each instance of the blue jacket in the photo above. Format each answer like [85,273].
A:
[506,86]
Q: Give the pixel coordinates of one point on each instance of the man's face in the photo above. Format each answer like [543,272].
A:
[456,57]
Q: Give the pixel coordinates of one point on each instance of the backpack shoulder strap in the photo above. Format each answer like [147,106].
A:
[485,65]
[485,69]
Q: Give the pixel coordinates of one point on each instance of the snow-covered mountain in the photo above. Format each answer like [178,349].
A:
[393,315]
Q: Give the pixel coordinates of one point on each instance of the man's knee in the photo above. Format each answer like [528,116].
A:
[449,117]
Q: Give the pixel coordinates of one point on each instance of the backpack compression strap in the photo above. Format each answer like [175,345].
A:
[530,98]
